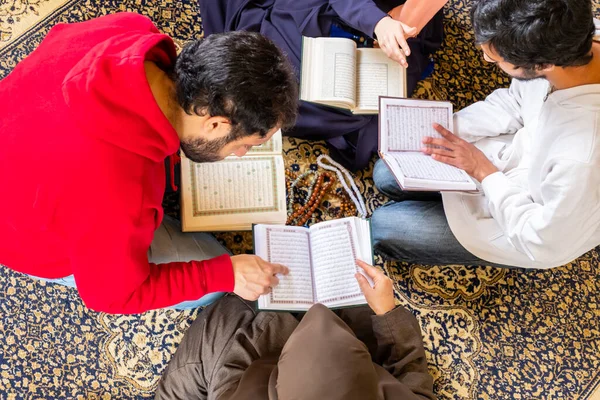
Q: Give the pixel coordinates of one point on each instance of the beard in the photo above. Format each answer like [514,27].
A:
[529,75]
[203,151]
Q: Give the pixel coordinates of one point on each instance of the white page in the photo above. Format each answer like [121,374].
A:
[405,122]
[363,229]
[287,245]
[335,249]
[236,184]
[377,76]
[272,146]
[336,72]
[233,191]
[421,166]
[393,165]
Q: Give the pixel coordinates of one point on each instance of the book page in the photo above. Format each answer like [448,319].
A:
[272,146]
[377,76]
[336,74]
[421,166]
[335,248]
[233,193]
[289,246]
[404,123]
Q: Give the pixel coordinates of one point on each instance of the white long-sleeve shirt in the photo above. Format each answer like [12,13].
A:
[543,208]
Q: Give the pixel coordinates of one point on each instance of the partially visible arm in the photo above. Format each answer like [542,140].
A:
[399,343]
[500,113]
[108,249]
[359,14]
[417,13]
[400,350]
[566,217]
[111,268]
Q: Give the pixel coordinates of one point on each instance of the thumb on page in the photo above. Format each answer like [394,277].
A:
[371,271]
[363,283]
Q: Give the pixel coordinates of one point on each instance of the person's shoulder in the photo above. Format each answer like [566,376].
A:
[574,122]
[534,87]
[579,107]
[128,19]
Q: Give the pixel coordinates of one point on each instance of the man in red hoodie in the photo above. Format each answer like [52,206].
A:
[86,123]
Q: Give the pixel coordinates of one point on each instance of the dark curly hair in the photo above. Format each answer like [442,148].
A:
[240,75]
[533,34]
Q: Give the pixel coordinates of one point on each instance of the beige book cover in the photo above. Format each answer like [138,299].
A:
[336,73]
[234,193]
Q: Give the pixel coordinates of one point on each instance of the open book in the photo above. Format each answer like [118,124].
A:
[403,123]
[335,72]
[321,259]
[233,194]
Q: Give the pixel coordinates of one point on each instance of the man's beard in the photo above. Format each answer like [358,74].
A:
[202,151]
[529,75]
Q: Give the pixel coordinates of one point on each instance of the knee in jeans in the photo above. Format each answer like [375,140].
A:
[383,178]
[384,227]
[388,238]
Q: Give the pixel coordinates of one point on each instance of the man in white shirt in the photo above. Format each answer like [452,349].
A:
[535,148]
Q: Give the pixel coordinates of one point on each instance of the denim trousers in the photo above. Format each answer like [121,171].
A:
[172,245]
[413,228]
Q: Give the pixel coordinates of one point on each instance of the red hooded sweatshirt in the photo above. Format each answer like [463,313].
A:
[82,150]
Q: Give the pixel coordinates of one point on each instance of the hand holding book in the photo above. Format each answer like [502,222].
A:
[380,296]
[452,150]
[321,259]
[403,125]
[336,73]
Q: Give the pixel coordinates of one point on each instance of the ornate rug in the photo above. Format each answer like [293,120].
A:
[489,333]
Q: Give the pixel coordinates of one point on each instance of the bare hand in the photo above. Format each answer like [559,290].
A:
[254,276]
[391,36]
[459,153]
[380,297]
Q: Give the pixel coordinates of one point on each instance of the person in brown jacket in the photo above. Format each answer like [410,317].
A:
[233,352]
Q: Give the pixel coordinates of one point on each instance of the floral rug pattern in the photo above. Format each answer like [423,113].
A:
[489,333]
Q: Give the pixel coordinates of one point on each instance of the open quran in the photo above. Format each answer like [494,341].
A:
[321,260]
[336,73]
[403,123]
[233,194]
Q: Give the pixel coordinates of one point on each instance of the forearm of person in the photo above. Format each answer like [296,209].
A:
[418,13]
[400,350]
[126,285]
[544,230]
[500,113]
[109,259]
[359,14]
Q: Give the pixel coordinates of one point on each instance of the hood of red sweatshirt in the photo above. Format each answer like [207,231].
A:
[128,117]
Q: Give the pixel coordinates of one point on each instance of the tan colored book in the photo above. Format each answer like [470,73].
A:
[233,194]
[321,260]
[403,123]
[336,73]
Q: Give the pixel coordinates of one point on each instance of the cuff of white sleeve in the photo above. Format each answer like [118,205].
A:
[494,186]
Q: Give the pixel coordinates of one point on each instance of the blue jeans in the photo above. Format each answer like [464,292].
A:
[413,227]
[172,245]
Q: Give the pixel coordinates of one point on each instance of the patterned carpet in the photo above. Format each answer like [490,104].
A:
[489,333]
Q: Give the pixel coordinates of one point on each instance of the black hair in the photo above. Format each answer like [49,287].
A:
[533,34]
[240,75]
